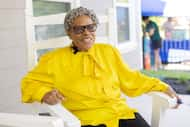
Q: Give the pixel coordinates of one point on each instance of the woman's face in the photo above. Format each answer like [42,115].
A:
[82,33]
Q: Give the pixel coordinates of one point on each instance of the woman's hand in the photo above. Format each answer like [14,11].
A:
[53,97]
[170,92]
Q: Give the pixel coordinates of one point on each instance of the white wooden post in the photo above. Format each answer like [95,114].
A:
[159,105]
[112,27]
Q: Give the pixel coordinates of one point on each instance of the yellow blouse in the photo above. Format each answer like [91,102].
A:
[91,82]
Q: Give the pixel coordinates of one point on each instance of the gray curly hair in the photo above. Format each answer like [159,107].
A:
[74,13]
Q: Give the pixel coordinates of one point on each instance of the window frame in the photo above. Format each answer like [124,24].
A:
[131,44]
[31,21]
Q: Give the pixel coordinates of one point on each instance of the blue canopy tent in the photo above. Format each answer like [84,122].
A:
[152,7]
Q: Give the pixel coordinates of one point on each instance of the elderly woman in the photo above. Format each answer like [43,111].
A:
[88,78]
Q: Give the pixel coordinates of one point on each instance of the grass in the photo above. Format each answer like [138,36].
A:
[179,80]
[183,75]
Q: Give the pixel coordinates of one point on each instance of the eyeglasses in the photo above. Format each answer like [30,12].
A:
[81,29]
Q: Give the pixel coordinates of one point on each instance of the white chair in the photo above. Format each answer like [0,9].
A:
[160,103]
[61,117]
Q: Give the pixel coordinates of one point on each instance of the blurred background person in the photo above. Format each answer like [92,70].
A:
[156,41]
[168,27]
[146,49]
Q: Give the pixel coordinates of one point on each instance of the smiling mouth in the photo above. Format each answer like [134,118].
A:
[87,39]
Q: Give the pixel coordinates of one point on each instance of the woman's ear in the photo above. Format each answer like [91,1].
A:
[68,34]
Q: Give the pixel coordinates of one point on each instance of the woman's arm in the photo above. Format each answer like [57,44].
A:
[170,92]
[38,81]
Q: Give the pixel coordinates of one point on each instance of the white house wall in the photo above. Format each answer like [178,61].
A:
[12,53]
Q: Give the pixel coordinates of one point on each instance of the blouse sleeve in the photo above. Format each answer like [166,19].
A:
[38,81]
[134,83]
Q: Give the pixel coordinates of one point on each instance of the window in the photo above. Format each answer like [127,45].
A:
[124,1]
[45,32]
[45,29]
[123,27]
[42,8]
[125,21]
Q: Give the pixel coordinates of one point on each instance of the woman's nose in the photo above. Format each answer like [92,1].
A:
[86,31]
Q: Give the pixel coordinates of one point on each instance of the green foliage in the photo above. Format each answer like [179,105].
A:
[181,75]
[188,89]
[179,80]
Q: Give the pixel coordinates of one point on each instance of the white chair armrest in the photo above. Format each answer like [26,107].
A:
[160,102]
[69,119]
[58,110]
[23,120]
